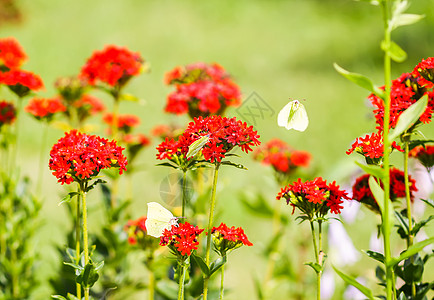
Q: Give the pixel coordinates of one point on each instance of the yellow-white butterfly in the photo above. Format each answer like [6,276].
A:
[158,219]
[293,116]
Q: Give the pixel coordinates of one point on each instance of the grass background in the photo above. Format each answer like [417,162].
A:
[276,49]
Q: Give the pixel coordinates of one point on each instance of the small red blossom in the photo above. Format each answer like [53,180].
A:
[90,104]
[79,157]
[405,91]
[124,122]
[363,194]
[227,238]
[314,196]
[8,113]
[11,53]
[281,156]
[223,135]
[44,108]
[425,154]
[426,69]
[201,90]
[181,239]
[113,65]
[371,146]
[21,82]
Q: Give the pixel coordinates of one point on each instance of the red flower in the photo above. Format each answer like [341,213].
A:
[11,53]
[371,146]
[223,135]
[405,91]
[113,65]
[426,69]
[8,113]
[363,194]
[314,197]
[78,157]
[201,90]
[282,157]
[164,131]
[425,154]
[21,82]
[124,122]
[44,107]
[227,238]
[181,239]
[90,104]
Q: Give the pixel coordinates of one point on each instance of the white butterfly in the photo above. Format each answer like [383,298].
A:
[293,116]
[158,219]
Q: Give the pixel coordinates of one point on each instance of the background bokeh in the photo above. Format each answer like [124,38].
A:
[276,49]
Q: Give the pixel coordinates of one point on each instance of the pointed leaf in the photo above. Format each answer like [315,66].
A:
[412,250]
[58,297]
[409,117]
[217,264]
[406,19]
[375,255]
[352,281]
[428,202]
[202,265]
[373,170]
[229,163]
[67,198]
[358,79]
[395,51]
[315,266]
[166,164]
[379,196]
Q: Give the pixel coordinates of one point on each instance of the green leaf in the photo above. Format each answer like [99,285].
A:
[412,250]
[421,224]
[415,143]
[395,51]
[352,281]
[129,97]
[406,19]
[68,198]
[315,266]
[229,163]
[58,297]
[258,285]
[378,193]
[88,276]
[422,292]
[168,289]
[358,79]
[196,146]
[409,117]
[257,206]
[375,255]
[217,264]
[429,202]
[72,297]
[373,170]
[202,265]
[166,164]
[90,187]
[273,244]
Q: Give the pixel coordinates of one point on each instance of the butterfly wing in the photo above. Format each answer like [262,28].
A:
[293,116]
[158,219]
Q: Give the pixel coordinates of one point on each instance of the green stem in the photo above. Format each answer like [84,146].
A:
[222,272]
[85,235]
[77,240]
[181,282]
[151,285]
[42,164]
[408,200]
[386,224]
[318,274]
[14,146]
[115,131]
[184,194]
[208,237]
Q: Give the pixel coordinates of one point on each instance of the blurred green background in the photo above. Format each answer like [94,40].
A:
[276,49]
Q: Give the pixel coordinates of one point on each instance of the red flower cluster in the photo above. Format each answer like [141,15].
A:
[426,69]
[78,157]
[363,194]
[89,105]
[425,154]
[21,82]
[138,139]
[405,91]
[44,108]
[164,131]
[228,238]
[113,66]
[136,230]
[223,135]
[12,55]
[282,157]
[181,238]
[8,113]
[311,196]
[124,122]
[371,146]
[201,90]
